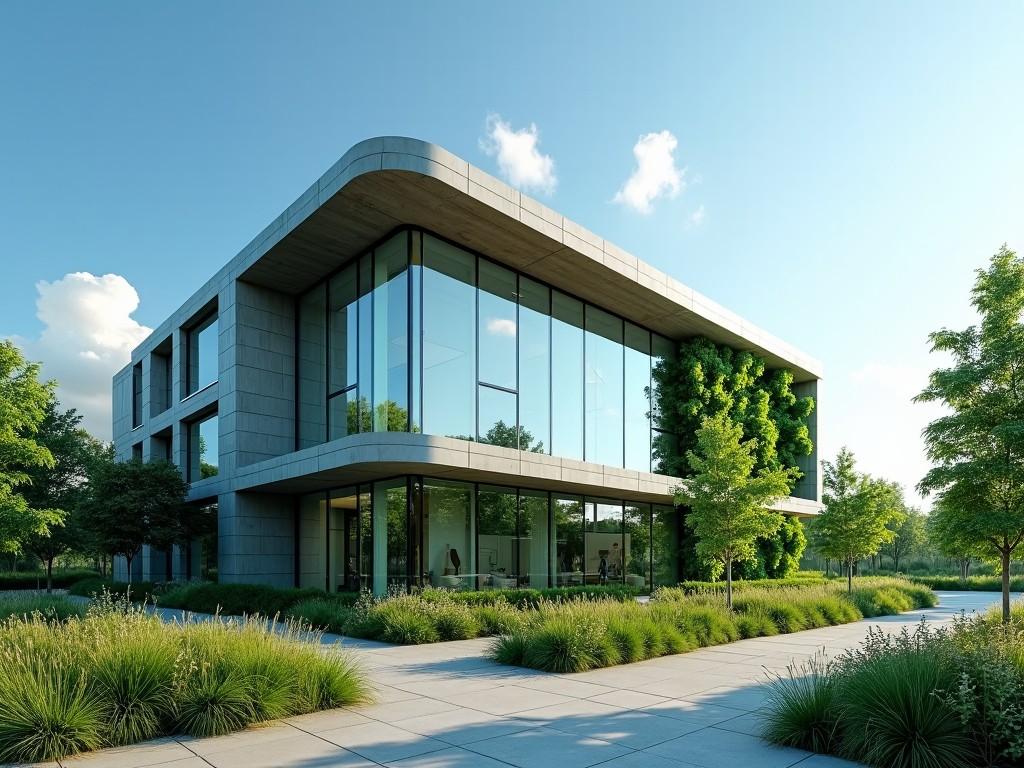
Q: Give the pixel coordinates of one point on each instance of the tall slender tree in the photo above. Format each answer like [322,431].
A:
[977,448]
[857,515]
[730,502]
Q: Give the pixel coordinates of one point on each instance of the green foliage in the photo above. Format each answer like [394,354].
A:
[858,515]
[95,586]
[977,447]
[239,599]
[971,583]
[132,503]
[728,499]
[36,579]
[777,556]
[801,710]
[48,607]
[586,634]
[707,380]
[23,407]
[121,675]
[908,535]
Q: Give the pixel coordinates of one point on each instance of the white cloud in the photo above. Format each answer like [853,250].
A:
[520,161]
[656,174]
[501,326]
[88,334]
[871,412]
[697,217]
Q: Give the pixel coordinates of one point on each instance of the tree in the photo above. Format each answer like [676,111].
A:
[23,401]
[60,486]
[946,534]
[909,533]
[857,515]
[707,379]
[133,503]
[728,499]
[977,449]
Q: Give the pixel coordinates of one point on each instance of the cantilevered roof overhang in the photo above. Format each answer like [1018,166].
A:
[383,183]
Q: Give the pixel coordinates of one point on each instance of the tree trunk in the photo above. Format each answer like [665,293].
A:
[728,582]
[895,562]
[1005,558]
[128,562]
[49,576]
[849,576]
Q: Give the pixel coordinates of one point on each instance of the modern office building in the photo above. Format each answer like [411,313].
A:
[418,375]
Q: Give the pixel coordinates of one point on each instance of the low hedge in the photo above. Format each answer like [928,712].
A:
[973,583]
[531,598]
[47,607]
[238,599]
[686,588]
[577,636]
[12,580]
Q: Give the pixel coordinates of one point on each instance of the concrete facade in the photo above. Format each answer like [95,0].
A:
[380,185]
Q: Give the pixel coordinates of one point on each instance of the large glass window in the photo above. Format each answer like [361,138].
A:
[497,325]
[535,366]
[636,545]
[566,376]
[202,355]
[344,541]
[665,545]
[136,395]
[449,340]
[567,530]
[391,335]
[497,417]
[343,318]
[391,562]
[312,365]
[449,536]
[603,428]
[496,538]
[534,549]
[203,448]
[637,381]
[603,541]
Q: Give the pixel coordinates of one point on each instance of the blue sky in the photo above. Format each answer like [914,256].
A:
[853,163]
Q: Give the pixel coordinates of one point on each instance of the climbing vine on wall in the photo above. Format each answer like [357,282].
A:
[708,378]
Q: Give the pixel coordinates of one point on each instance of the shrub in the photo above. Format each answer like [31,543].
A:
[801,708]
[564,643]
[708,625]
[756,622]
[321,613]
[93,586]
[510,649]
[628,640]
[49,607]
[61,579]
[244,599]
[405,623]
[499,618]
[119,675]
[454,621]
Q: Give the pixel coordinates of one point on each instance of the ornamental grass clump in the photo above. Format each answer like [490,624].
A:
[120,675]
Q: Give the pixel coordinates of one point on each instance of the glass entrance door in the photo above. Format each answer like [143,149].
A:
[344,542]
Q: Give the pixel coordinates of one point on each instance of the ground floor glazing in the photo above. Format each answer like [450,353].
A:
[414,531]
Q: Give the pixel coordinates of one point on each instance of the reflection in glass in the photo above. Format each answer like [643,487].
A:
[448,540]
[312,546]
[390,536]
[637,544]
[344,320]
[603,427]
[202,354]
[665,546]
[637,382]
[312,354]
[344,539]
[449,340]
[496,539]
[566,376]
[603,541]
[390,336]
[534,550]
[366,539]
[535,365]
[497,418]
[497,325]
[203,449]
[567,528]
[344,414]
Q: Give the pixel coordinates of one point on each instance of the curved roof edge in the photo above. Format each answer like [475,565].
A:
[386,154]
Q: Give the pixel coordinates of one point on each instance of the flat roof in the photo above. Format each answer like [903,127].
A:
[387,182]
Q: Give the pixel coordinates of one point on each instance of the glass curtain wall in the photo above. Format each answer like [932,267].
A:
[412,531]
[496,357]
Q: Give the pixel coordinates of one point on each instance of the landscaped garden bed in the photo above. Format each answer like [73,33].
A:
[119,675]
[941,698]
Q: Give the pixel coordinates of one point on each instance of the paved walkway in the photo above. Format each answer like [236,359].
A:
[447,706]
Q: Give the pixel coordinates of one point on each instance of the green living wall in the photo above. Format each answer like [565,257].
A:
[706,379]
